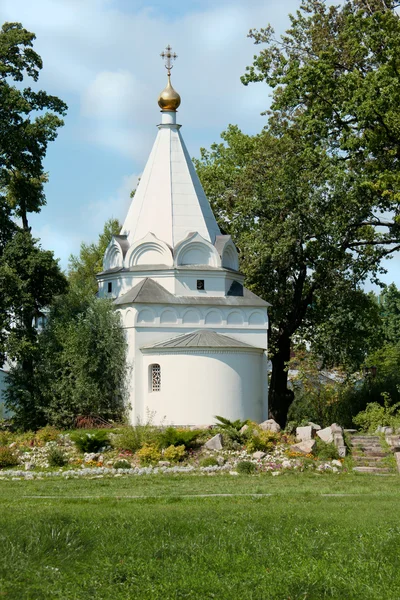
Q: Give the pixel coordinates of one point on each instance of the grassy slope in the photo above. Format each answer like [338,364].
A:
[295,544]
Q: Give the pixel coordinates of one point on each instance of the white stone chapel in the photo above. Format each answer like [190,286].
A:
[197,338]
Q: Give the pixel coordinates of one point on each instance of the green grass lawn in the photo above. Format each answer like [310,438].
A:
[94,539]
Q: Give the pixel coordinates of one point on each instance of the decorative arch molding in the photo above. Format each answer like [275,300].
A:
[257,318]
[191,317]
[227,251]
[149,251]
[235,318]
[213,317]
[146,316]
[129,318]
[168,316]
[195,250]
[114,254]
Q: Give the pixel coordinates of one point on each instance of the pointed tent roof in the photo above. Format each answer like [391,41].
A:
[204,338]
[169,201]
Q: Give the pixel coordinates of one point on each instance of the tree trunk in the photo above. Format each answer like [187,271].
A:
[280,397]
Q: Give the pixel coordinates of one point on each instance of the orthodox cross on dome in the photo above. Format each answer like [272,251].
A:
[168,56]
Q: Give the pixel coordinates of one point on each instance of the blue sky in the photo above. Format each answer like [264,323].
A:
[102,58]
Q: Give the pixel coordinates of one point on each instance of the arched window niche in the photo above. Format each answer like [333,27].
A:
[155,378]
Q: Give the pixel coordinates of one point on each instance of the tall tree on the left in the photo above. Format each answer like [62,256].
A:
[29,120]
[29,276]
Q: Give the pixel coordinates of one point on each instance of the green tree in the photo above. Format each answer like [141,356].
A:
[307,200]
[289,209]
[29,279]
[82,269]
[82,369]
[389,308]
[29,120]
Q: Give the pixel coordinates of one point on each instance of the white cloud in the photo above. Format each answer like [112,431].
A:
[112,94]
[115,206]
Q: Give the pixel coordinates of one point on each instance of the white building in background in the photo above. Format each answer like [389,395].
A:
[197,338]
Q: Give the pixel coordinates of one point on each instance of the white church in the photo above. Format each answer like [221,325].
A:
[197,338]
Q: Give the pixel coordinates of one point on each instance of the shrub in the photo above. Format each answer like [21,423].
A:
[375,415]
[245,467]
[262,440]
[56,457]
[231,428]
[90,442]
[209,461]
[7,458]
[122,464]
[133,438]
[173,436]
[325,451]
[149,454]
[175,453]
[47,434]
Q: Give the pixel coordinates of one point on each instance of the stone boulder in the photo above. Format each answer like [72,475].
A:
[326,435]
[270,425]
[314,425]
[303,447]
[215,443]
[259,455]
[304,433]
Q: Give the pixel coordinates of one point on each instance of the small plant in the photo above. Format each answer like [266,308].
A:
[7,458]
[245,467]
[262,440]
[90,442]
[325,451]
[209,461]
[122,464]
[177,436]
[133,438]
[375,415]
[231,428]
[149,454]
[56,457]
[175,453]
[47,434]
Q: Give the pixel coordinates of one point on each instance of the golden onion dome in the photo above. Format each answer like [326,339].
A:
[169,99]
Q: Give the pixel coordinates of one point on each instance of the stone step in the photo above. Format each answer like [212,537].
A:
[372,469]
[365,437]
[378,453]
[366,443]
[371,459]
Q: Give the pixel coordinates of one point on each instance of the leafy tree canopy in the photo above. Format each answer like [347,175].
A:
[29,120]
[82,269]
[82,367]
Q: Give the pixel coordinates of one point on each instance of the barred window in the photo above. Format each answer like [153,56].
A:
[155,378]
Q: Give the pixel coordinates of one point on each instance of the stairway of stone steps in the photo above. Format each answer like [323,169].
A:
[369,455]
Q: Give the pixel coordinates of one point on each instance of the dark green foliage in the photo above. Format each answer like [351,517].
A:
[231,429]
[245,467]
[82,370]
[28,122]
[56,457]
[173,436]
[325,451]
[122,464]
[82,269]
[133,438]
[208,461]
[29,279]
[304,199]
[91,442]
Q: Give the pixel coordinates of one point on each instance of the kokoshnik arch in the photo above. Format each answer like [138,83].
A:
[197,338]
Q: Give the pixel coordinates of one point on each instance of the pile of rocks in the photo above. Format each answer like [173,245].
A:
[306,438]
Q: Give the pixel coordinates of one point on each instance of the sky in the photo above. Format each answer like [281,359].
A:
[102,57]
